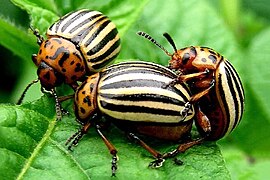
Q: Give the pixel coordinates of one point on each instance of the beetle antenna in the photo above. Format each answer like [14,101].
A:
[148,37]
[36,33]
[25,90]
[170,40]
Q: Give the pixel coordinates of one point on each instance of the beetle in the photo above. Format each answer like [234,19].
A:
[78,44]
[132,96]
[215,84]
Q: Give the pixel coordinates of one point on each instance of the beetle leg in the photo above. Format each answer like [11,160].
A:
[186,77]
[197,96]
[64,98]
[184,112]
[111,148]
[74,86]
[58,107]
[159,160]
[203,121]
[76,137]
[182,148]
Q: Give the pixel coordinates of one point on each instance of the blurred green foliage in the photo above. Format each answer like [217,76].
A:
[238,29]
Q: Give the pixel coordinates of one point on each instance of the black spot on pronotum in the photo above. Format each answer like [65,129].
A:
[204,60]
[72,62]
[82,110]
[64,70]
[193,51]
[47,43]
[57,40]
[185,58]
[77,55]
[78,67]
[87,100]
[213,58]
[47,76]
[74,77]
[212,51]
[63,58]
[91,87]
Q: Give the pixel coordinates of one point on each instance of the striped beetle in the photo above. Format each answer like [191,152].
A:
[132,95]
[216,87]
[79,43]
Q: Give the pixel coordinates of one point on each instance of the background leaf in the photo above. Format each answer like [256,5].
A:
[240,31]
[32,146]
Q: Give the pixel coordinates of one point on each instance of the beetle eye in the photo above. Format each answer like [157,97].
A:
[185,58]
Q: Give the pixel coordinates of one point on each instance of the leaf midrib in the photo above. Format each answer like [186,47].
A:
[36,151]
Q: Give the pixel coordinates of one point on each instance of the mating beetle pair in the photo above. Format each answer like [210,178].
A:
[139,97]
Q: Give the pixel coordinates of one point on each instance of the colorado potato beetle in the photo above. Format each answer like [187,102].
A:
[132,96]
[78,44]
[216,87]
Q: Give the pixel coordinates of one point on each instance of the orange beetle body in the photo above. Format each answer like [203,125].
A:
[59,61]
[80,43]
[216,87]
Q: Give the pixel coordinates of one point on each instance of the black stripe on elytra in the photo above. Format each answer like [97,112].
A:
[138,109]
[237,79]
[104,63]
[131,70]
[143,65]
[84,32]
[73,19]
[133,83]
[180,91]
[78,26]
[225,104]
[233,92]
[239,103]
[109,37]
[234,96]
[106,53]
[144,97]
[95,34]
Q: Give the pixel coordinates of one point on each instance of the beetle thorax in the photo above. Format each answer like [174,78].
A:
[86,98]
[62,56]
[183,59]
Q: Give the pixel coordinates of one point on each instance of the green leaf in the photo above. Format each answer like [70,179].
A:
[245,167]
[32,147]
[189,23]
[254,129]
[259,6]
[9,35]
[21,43]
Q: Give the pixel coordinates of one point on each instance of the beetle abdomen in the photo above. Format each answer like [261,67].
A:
[94,34]
[230,94]
[224,105]
[138,93]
